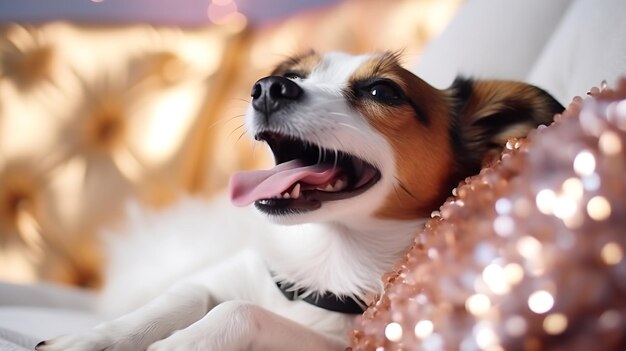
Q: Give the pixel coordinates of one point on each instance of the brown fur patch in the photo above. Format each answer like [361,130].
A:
[302,65]
[422,151]
[499,110]
[492,97]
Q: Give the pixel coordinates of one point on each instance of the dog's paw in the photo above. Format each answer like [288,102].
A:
[95,340]
[89,341]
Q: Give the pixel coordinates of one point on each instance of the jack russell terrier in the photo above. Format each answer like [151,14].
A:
[364,152]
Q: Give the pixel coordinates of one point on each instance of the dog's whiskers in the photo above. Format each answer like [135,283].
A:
[338,141]
[349,126]
[319,154]
[234,130]
[241,135]
[405,189]
[244,100]
[253,151]
[395,190]
[224,120]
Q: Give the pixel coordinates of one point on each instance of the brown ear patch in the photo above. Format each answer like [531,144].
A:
[301,65]
[490,112]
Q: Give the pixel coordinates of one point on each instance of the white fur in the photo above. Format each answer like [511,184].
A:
[325,118]
[233,303]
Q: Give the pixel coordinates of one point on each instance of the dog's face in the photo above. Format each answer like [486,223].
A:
[359,137]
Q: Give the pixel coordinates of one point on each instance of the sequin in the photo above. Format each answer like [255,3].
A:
[503,206]
[546,200]
[612,253]
[540,301]
[610,319]
[486,337]
[514,273]
[423,329]
[584,163]
[598,208]
[495,278]
[529,247]
[515,326]
[478,304]
[393,332]
[555,323]
[610,143]
[504,225]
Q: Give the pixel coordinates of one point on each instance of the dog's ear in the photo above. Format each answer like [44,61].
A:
[490,112]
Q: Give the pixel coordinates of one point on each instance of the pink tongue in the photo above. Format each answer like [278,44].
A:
[248,187]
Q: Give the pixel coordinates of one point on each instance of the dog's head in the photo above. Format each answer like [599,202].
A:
[360,136]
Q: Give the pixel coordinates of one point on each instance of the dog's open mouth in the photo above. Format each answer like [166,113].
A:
[305,175]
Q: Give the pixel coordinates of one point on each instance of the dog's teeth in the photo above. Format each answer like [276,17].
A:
[328,187]
[295,192]
[339,185]
[286,196]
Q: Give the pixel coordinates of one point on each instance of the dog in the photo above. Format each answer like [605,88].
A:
[364,151]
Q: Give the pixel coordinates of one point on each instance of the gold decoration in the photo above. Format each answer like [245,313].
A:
[18,197]
[27,56]
[21,185]
[168,67]
[105,129]
[98,128]
[161,69]
[112,112]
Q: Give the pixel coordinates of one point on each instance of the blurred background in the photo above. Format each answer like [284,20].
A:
[106,101]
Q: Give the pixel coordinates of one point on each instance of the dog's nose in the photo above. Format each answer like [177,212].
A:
[272,93]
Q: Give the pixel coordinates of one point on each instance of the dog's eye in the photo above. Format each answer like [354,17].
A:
[384,91]
[293,75]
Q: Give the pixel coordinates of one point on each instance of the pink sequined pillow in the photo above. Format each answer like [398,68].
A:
[528,255]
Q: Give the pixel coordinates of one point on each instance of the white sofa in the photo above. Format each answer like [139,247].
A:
[563,46]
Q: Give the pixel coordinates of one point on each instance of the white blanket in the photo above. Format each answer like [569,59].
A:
[14,341]
[30,314]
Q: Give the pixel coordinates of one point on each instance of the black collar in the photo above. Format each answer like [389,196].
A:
[327,300]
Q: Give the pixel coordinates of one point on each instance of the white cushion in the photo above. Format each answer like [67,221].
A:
[41,311]
[41,323]
[491,39]
[588,47]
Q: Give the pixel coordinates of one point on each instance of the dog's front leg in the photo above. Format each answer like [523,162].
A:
[240,326]
[176,309]
[179,307]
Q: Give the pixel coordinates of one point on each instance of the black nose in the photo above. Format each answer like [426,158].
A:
[272,93]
